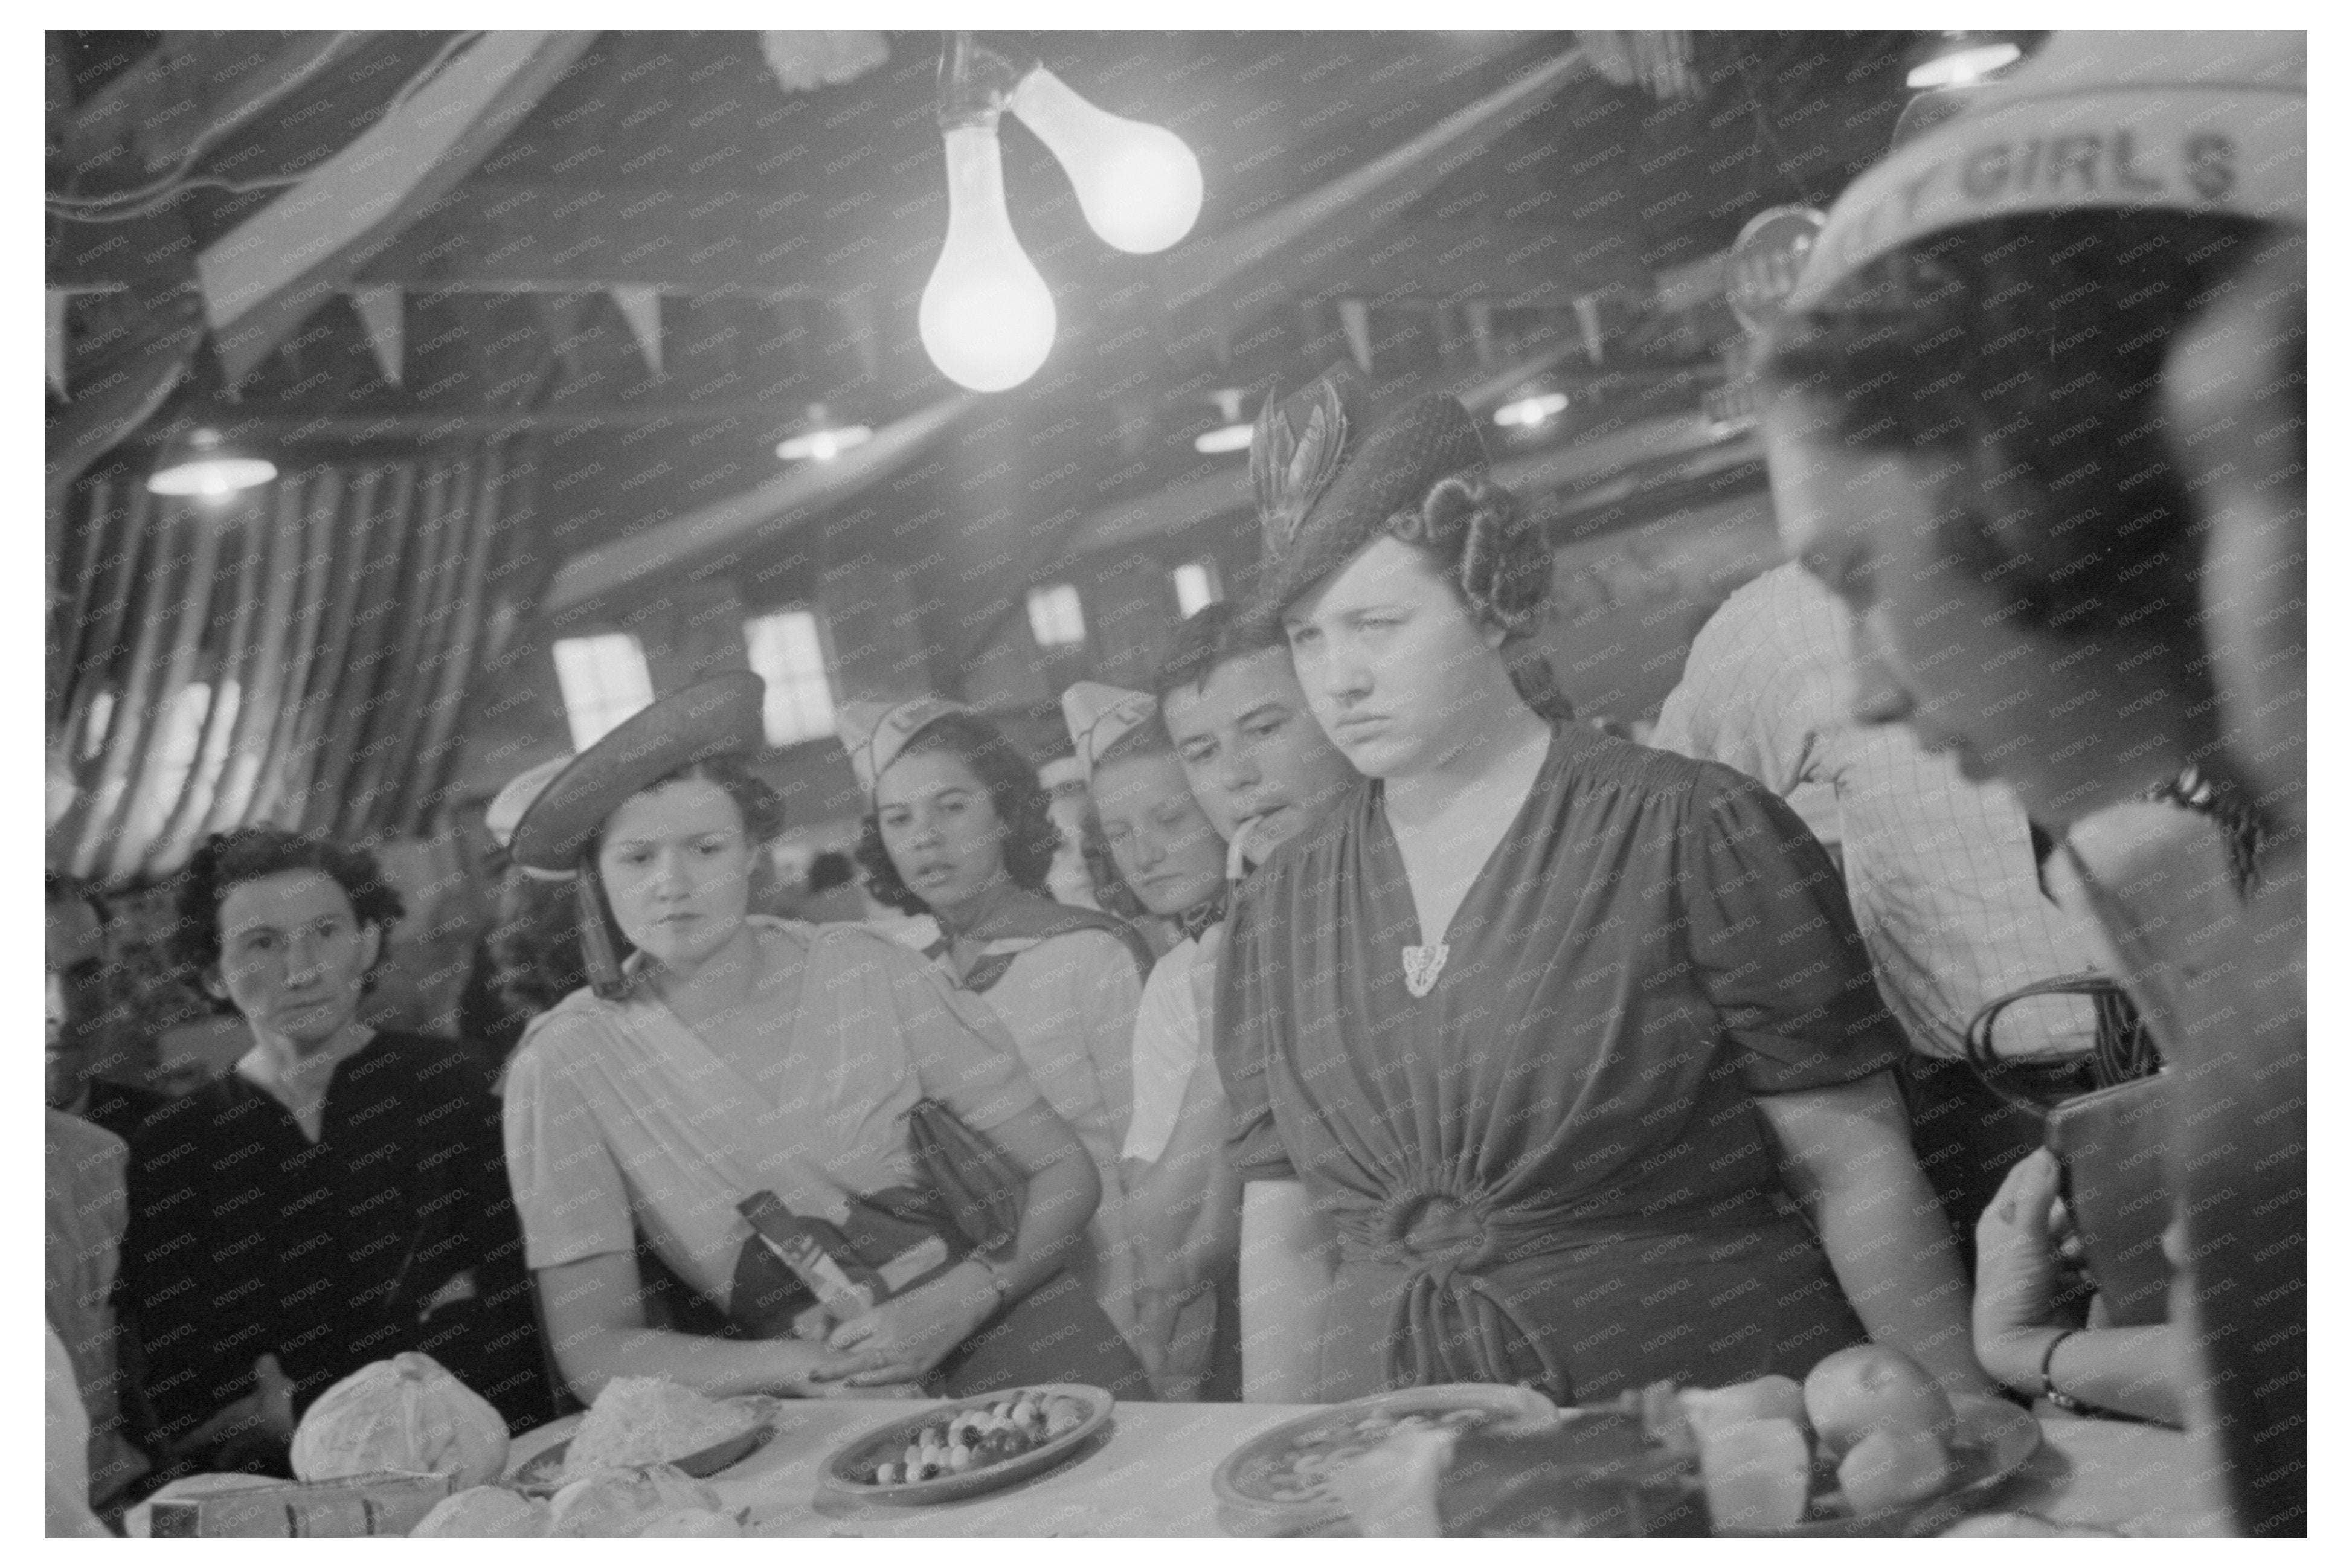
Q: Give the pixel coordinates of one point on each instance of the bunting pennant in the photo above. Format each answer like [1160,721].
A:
[55,340]
[641,306]
[381,311]
[1355,320]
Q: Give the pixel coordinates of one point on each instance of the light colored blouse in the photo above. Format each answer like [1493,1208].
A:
[1069,1002]
[619,1117]
[1167,1047]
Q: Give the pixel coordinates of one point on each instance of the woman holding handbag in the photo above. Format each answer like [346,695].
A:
[738,1064]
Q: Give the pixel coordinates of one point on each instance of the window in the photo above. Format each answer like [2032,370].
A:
[787,649]
[605,679]
[1056,618]
[1196,585]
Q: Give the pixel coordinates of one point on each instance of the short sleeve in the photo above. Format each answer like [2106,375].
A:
[1251,1021]
[1775,944]
[963,1056]
[568,1190]
[1167,1047]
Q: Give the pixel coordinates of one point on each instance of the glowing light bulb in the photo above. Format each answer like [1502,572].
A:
[987,319]
[1139,184]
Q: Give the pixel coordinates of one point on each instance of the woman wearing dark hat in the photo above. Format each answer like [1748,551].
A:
[737,1055]
[1573,1040]
[957,827]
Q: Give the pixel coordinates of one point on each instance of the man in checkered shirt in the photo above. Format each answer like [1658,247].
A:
[1941,871]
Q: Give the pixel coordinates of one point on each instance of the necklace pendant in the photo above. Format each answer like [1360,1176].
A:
[1423,965]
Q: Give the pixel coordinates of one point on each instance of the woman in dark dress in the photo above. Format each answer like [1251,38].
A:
[1573,1040]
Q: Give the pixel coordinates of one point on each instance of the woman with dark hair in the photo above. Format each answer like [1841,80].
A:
[2042,431]
[1573,1040]
[957,828]
[739,1068]
[337,1196]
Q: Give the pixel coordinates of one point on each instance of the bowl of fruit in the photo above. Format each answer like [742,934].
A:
[974,1445]
[1868,1445]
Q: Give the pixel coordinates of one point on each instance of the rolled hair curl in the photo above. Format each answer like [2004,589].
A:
[1500,563]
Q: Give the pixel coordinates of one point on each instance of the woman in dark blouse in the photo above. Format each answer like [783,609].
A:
[1573,1041]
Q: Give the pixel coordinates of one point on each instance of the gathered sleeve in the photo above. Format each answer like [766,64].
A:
[1775,945]
[568,1193]
[1252,1021]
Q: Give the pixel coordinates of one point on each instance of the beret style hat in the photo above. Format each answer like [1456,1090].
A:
[874,733]
[1327,476]
[1100,716]
[2208,122]
[715,718]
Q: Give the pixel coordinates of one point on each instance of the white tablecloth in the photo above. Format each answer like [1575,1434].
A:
[1147,1475]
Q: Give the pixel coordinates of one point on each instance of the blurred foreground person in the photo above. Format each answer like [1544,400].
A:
[2064,534]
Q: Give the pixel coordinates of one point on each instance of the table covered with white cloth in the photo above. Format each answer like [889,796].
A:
[1148,1474]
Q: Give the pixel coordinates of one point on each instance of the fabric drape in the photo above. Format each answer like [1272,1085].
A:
[300,656]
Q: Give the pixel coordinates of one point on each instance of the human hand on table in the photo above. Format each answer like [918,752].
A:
[2017,1271]
[906,1336]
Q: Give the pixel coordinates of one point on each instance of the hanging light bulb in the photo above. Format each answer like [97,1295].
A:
[1139,184]
[986,319]
[205,467]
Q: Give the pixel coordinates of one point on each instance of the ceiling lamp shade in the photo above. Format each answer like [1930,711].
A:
[987,319]
[1139,185]
[820,440]
[1958,57]
[1528,412]
[202,465]
[1234,434]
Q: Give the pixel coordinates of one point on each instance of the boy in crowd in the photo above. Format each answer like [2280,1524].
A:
[1261,769]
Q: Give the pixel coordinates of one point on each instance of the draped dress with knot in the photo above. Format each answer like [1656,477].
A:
[1552,1169]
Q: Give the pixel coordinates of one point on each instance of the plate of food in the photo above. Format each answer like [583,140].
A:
[970,1446]
[1282,1482]
[1867,1445]
[640,1421]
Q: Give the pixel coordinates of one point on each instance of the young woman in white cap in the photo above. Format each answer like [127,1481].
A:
[2070,550]
[736,1055]
[1185,1207]
[1570,1038]
[957,828]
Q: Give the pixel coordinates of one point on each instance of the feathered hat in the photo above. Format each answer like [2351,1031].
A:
[1328,478]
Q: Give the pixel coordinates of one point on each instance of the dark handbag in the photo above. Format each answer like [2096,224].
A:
[2111,1147]
[982,1193]
[2106,1116]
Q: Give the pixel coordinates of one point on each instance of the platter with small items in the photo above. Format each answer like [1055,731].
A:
[971,1446]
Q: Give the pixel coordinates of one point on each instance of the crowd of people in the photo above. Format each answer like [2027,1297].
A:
[1447,1038]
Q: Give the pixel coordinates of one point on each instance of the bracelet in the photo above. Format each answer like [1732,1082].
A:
[2051,1390]
[998,1280]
